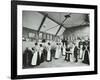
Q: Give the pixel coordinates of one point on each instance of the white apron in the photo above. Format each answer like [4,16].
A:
[72,59]
[48,54]
[64,50]
[34,58]
[40,51]
[58,52]
[81,52]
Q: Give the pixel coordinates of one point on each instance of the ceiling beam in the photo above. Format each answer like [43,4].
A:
[58,30]
[43,20]
[79,26]
[61,25]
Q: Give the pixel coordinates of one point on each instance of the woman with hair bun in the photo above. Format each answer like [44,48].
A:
[35,58]
[49,53]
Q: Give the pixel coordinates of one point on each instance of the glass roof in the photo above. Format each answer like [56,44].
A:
[61,31]
[31,19]
[50,27]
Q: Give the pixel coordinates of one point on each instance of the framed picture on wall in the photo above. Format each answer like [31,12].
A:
[74,18]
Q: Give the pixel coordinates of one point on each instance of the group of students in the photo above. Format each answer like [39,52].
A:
[46,51]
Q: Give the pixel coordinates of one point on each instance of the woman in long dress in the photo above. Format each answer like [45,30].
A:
[81,52]
[72,59]
[68,53]
[53,49]
[86,56]
[27,57]
[41,55]
[76,52]
[80,49]
[44,54]
[57,54]
[60,50]
[35,58]
[64,50]
[49,52]
[83,49]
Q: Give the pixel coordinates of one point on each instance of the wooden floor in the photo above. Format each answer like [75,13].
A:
[59,63]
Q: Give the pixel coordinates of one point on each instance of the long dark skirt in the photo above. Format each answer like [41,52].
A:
[76,57]
[53,52]
[44,55]
[27,58]
[38,59]
[67,56]
[86,58]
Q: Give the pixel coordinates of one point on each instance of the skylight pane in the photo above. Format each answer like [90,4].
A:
[50,26]
[31,19]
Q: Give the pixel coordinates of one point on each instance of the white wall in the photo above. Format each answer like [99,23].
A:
[5,30]
[73,33]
